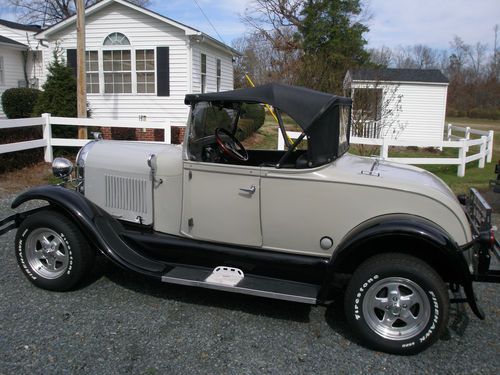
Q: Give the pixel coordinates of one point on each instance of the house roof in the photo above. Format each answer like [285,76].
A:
[399,75]
[11,43]
[102,4]
[20,26]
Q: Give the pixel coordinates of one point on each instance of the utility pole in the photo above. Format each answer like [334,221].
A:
[81,87]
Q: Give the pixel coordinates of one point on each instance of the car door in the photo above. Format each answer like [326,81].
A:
[221,203]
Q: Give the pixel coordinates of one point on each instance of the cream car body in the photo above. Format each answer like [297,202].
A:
[295,225]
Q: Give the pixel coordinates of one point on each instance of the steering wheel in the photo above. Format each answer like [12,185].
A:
[232,147]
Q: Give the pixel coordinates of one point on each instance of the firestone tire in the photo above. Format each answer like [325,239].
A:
[52,252]
[397,304]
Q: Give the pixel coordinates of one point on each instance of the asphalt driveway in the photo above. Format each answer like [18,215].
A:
[124,323]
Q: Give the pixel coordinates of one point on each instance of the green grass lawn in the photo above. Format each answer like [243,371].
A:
[266,138]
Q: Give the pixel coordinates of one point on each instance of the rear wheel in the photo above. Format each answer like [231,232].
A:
[397,303]
[52,252]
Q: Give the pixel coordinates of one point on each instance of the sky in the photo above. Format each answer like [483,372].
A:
[392,23]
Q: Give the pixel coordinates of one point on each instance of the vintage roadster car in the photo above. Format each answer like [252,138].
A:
[294,225]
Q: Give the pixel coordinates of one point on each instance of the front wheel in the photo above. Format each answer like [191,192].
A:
[397,304]
[52,252]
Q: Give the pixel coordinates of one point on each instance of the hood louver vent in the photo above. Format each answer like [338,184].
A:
[127,194]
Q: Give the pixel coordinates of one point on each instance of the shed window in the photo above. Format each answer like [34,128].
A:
[117,71]
[218,74]
[92,69]
[203,73]
[2,72]
[145,68]
[116,39]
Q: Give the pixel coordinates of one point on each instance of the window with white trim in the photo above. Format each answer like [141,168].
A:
[218,74]
[145,70]
[203,73]
[2,72]
[92,70]
[117,69]
[116,39]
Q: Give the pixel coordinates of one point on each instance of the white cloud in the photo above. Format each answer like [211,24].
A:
[430,22]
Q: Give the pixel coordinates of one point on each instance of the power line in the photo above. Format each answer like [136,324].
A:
[211,24]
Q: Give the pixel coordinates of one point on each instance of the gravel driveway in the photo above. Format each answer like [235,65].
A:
[124,323]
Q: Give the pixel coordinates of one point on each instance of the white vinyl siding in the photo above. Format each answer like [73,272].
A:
[146,33]
[423,110]
[226,78]
[143,33]
[35,68]
[12,70]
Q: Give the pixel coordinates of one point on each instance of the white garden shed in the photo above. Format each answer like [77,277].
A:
[406,104]
[141,64]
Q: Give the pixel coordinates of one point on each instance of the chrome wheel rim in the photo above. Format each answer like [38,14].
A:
[396,308]
[47,253]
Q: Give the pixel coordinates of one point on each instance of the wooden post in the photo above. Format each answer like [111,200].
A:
[450,127]
[384,149]
[80,64]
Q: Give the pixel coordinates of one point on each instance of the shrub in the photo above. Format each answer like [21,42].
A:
[16,160]
[19,102]
[59,96]
[252,118]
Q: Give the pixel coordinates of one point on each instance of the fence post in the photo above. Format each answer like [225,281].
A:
[167,133]
[483,151]
[450,127]
[47,136]
[281,141]
[491,134]
[384,149]
[467,136]
[462,154]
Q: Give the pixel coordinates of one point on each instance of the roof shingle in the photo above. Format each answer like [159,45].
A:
[399,75]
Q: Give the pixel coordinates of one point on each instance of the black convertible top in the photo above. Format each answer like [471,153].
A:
[304,105]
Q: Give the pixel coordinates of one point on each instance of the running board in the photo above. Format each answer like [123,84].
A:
[249,284]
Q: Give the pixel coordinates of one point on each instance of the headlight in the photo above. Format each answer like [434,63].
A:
[81,158]
[62,168]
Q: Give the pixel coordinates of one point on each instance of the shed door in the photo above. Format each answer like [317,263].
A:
[216,209]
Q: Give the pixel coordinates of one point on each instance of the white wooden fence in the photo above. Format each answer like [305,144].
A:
[463,143]
[46,121]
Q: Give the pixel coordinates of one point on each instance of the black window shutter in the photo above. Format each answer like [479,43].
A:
[71,59]
[162,71]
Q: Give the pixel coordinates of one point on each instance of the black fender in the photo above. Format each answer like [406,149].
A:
[102,230]
[421,237]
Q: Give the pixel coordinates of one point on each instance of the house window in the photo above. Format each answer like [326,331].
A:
[92,69]
[2,72]
[203,73]
[218,74]
[145,68]
[116,39]
[117,69]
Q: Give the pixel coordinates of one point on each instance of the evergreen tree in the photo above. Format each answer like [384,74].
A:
[59,91]
[332,42]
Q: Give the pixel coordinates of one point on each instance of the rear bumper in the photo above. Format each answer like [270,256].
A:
[484,245]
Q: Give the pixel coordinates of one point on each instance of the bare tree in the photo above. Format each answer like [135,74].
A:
[376,112]
[383,56]
[49,12]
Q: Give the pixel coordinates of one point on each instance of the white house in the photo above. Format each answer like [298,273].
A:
[405,104]
[20,57]
[140,63]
